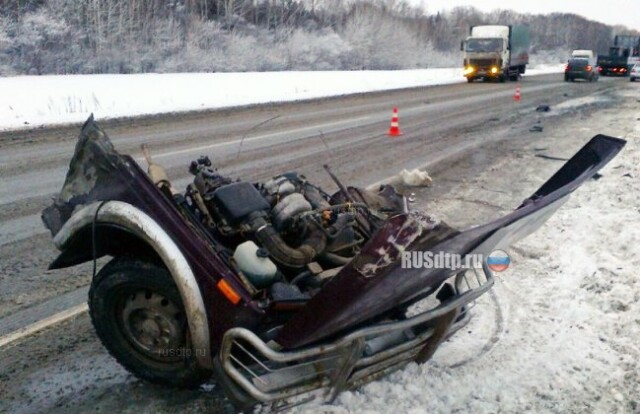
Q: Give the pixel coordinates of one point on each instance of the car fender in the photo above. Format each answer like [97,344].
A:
[142,226]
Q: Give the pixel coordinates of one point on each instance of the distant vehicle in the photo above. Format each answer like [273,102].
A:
[624,53]
[635,72]
[583,53]
[580,68]
[496,52]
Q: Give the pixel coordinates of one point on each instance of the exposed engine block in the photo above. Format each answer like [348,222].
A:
[288,217]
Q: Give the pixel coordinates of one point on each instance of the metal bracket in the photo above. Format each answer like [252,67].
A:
[352,354]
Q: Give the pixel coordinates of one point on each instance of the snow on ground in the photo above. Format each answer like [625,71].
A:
[560,331]
[28,101]
[577,102]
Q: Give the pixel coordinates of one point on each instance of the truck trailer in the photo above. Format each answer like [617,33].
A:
[624,53]
[495,52]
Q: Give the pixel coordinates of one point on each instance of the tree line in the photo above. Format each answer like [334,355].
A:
[135,36]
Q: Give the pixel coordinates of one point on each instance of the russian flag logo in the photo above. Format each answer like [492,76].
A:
[498,261]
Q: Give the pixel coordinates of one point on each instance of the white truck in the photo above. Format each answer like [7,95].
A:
[496,52]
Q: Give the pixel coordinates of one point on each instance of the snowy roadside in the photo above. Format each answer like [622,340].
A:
[560,331]
[30,101]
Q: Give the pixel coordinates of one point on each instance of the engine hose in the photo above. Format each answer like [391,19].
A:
[303,275]
[281,252]
[336,258]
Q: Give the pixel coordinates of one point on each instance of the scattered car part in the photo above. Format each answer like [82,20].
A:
[536,128]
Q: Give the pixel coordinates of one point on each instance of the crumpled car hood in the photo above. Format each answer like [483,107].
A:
[374,282]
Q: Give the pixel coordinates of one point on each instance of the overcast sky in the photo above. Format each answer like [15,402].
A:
[625,12]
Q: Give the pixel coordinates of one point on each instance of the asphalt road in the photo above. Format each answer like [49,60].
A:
[64,368]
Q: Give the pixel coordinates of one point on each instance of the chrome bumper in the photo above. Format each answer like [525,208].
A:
[269,375]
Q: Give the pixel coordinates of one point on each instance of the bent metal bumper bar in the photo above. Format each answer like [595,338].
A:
[269,375]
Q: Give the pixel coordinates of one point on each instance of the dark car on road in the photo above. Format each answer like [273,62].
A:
[580,69]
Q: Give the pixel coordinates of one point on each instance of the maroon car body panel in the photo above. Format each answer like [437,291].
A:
[352,299]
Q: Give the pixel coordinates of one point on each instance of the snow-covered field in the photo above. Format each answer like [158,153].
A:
[29,101]
[560,331]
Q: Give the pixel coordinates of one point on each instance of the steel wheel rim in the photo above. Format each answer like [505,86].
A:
[154,325]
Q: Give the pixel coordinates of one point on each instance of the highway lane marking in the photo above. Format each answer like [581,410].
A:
[260,137]
[43,324]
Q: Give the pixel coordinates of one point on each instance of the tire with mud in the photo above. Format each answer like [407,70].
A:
[137,312]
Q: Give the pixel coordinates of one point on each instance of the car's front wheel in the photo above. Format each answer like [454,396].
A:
[138,315]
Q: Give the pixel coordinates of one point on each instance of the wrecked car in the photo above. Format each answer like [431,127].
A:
[278,289]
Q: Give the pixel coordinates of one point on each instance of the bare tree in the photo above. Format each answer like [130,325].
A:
[91,36]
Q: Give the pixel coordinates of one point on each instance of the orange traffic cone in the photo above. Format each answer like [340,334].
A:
[516,96]
[394,130]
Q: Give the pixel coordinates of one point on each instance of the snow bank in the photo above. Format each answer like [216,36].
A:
[28,101]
